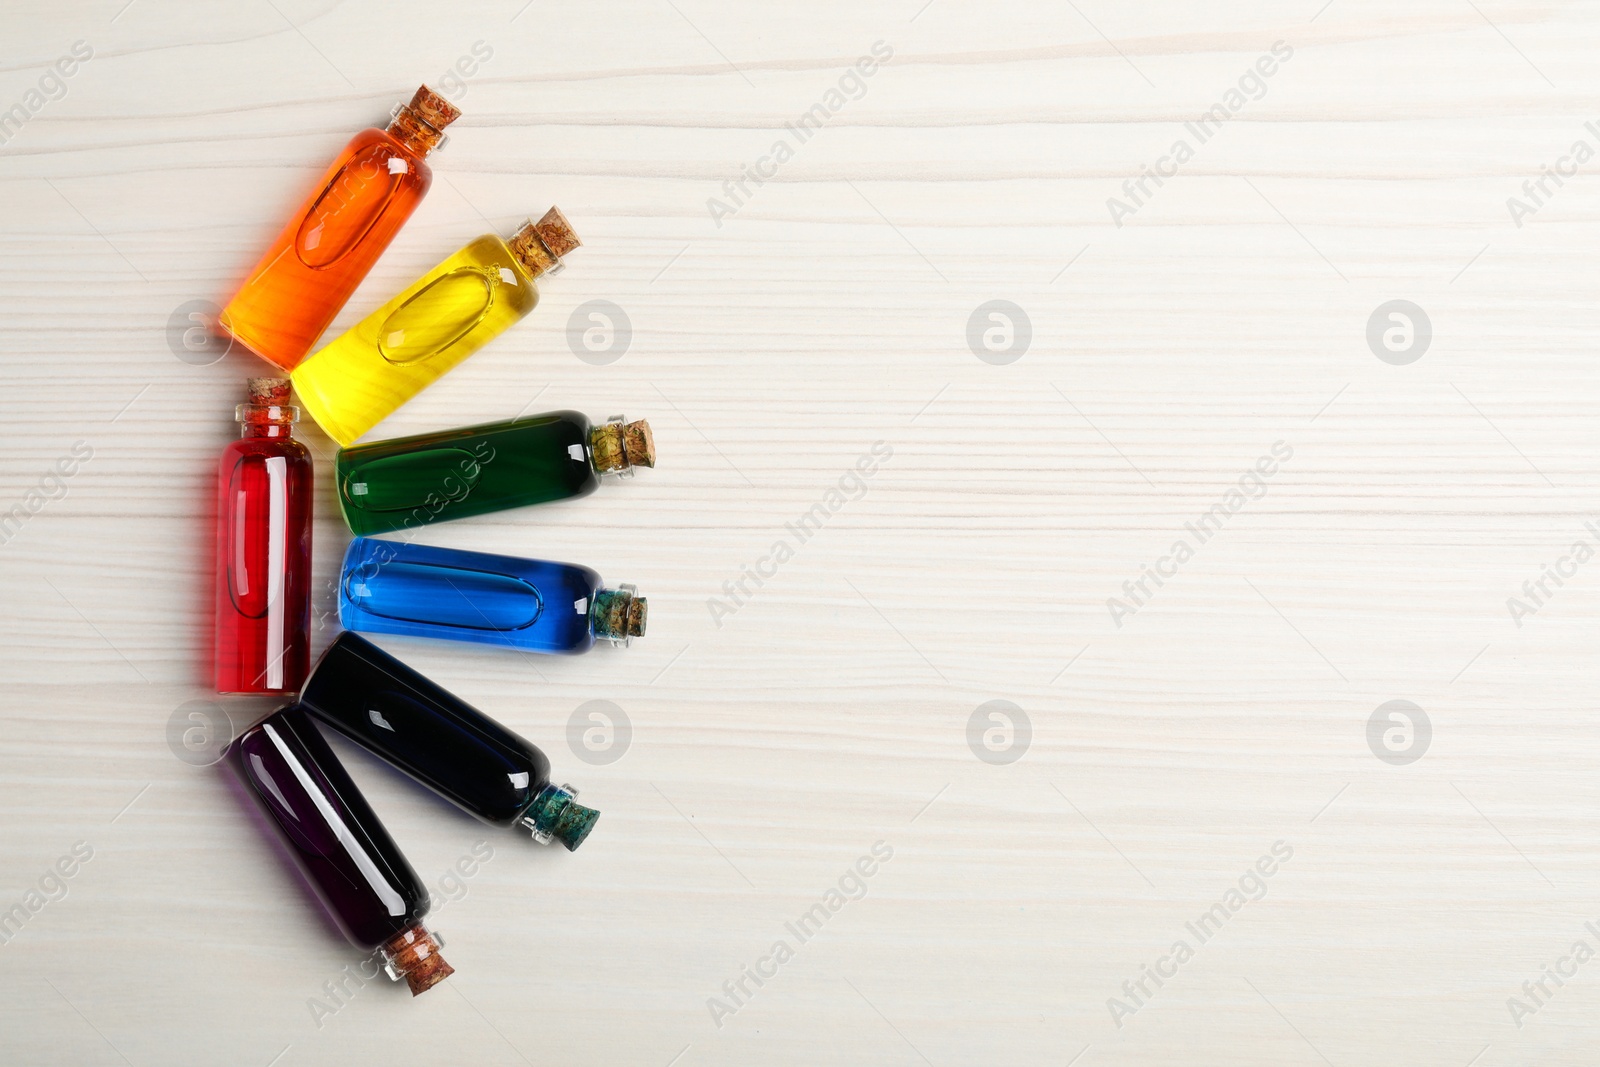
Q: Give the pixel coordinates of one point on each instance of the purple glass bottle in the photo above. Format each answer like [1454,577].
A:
[349,859]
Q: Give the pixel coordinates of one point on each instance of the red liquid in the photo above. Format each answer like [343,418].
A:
[263,619]
[327,248]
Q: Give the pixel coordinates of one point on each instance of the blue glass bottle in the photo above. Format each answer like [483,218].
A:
[388,587]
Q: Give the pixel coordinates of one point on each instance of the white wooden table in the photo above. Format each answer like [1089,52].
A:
[1040,860]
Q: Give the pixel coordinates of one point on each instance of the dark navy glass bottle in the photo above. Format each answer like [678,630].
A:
[349,859]
[388,587]
[442,741]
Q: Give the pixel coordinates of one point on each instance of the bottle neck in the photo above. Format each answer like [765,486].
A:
[539,246]
[532,254]
[618,615]
[556,815]
[266,420]
[617,445]
[413,131]
[413,954]
[419,125]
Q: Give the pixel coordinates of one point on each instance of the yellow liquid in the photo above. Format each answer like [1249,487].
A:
[406,345]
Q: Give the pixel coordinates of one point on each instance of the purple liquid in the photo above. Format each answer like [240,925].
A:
[346,855]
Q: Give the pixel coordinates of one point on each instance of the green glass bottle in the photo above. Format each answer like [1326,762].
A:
[436,477]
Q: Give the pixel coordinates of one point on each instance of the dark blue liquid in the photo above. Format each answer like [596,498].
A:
[350,860]
[387,587]
[431,734]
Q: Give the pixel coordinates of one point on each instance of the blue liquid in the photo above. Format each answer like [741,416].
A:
[387,587]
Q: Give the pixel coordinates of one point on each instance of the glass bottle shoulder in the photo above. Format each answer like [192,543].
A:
[369,178]
[490,256]
[417,167]
[455,308]
[266,447]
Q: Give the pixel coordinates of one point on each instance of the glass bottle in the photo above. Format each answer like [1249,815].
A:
[435,477]
[333,239]
[346,856]
[388,587]
[446,315]
[263,562]
[443,742]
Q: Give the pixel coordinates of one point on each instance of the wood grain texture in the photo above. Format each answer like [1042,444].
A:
[774,746]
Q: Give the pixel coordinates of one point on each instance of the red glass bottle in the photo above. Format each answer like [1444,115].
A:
[338,233]
[263,616]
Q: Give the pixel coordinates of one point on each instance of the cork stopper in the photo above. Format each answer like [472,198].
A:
[618,446]
[266,411]
[555,815]
[540,245]
[618,614]
[420,124]
[268,392]
[433,109]
[413,954]
[574,824]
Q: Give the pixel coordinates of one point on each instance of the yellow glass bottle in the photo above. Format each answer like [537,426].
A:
[442,318]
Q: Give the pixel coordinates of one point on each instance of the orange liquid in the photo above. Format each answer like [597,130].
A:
[327,248]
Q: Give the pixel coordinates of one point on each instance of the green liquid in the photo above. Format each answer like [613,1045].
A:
[436,477]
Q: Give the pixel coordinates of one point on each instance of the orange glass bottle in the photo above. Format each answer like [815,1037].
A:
[338,233]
